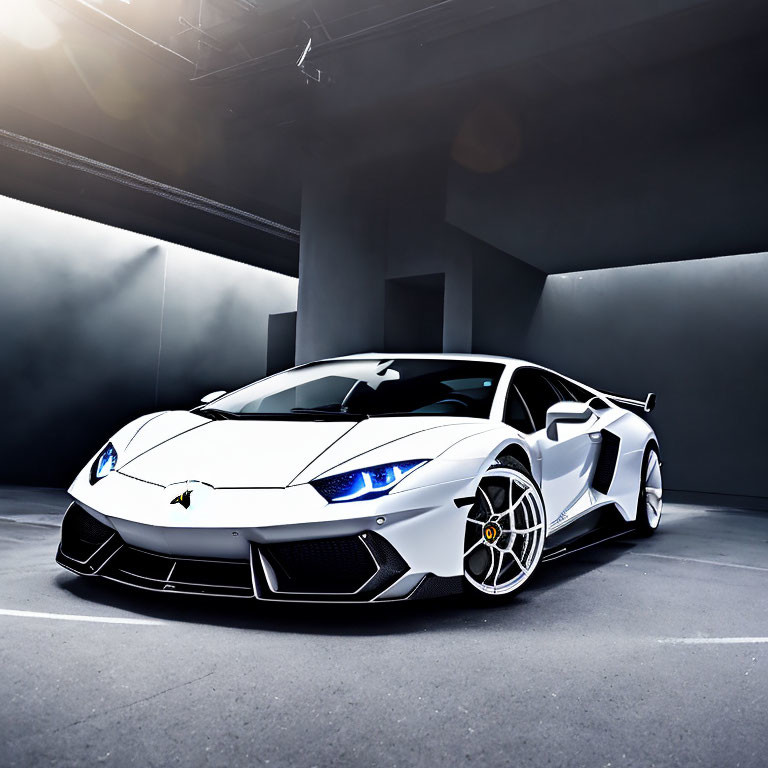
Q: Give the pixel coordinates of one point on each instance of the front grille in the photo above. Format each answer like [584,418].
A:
[341,568]
[342,564]
[82,534]
[606,462]
[166,573]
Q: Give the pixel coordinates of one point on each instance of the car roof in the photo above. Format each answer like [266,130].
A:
[511,361]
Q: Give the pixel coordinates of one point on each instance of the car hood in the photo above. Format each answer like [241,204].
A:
[177,447]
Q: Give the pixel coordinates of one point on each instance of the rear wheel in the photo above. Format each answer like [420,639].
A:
[649,499]
[505,530]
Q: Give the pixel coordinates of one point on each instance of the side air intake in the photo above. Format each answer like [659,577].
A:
[606,462]
[82,534]
[86,543]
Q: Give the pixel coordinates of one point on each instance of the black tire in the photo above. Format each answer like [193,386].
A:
[532,558]
[647,523]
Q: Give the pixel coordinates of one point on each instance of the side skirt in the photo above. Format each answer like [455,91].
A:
[588,530]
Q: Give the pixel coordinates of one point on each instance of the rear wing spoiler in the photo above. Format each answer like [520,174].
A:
[647,405]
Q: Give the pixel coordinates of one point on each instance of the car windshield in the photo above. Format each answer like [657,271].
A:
[362,388]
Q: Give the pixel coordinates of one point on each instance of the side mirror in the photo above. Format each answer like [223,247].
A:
[213,396]
[568,411]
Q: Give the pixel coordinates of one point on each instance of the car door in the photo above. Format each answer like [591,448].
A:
[566,463]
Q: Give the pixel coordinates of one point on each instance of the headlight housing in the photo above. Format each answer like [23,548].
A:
[365,483]
[104,464]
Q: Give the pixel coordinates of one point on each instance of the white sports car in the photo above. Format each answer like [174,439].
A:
[366,478]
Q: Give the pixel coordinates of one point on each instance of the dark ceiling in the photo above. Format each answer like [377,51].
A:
[211,98]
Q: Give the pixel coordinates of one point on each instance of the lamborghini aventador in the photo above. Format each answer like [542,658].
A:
[374,477]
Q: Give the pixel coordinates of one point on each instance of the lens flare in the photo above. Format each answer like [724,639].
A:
[23,22]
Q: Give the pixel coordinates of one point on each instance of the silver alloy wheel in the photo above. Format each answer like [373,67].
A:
[505,532]
[653,489]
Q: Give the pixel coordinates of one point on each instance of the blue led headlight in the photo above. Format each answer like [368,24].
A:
[365,483]
[104,464]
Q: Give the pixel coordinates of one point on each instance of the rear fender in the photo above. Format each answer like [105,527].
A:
[635,435]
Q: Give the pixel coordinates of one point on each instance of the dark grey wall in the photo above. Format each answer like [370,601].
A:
[99,325]
[694,332]
[669,163]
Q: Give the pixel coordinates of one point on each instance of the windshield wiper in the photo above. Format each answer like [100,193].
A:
[333,414]
[215,413]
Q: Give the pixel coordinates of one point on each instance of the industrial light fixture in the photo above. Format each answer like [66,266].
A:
[310,72]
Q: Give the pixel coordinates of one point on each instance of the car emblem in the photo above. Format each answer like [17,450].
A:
[491,532]
[183,499]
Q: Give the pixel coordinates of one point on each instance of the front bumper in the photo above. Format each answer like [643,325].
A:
[415,553]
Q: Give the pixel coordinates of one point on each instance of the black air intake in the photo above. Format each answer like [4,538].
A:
[337,565]
[438,586]
[340,568]
[606,462]
[82,534]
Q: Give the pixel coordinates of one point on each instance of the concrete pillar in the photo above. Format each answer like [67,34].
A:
[420,242]
[364,226]
[341,265]
[281,342]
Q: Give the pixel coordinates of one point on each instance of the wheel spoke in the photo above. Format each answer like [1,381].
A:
[525,493]
[498,570]
[490,568]
[528,530]
[487,501]
[473,547]
[510,505]
[519,563]
[653,464]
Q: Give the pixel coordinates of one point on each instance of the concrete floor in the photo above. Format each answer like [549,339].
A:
[570,673]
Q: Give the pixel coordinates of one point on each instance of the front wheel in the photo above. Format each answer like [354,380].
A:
[649,499]
[505,530]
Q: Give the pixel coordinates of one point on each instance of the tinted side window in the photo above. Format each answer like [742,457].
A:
[515,413]
[538,394]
